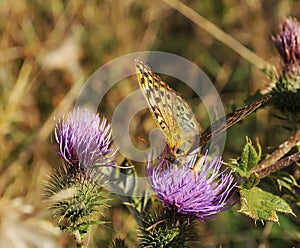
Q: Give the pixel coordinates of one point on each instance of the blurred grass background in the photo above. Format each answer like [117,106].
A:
[49,48]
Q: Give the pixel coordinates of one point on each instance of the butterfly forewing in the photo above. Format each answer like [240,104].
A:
[172,114]
[230,119]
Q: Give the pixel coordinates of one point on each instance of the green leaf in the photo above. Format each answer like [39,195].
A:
[287,181]
[262,205]
[251,182]
[124,183]
[139,206]
[123,180]
[249,158]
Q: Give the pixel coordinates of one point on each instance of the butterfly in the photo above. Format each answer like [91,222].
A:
[176,119]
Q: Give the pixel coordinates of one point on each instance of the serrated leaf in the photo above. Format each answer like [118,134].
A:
[262,205]
[249,158]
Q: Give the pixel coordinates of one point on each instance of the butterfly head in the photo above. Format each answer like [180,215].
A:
[179,154]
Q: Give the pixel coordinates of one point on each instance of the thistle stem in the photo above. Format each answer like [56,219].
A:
[78,239]
[278,165]
[283,149]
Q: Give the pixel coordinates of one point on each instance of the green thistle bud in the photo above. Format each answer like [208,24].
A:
[166,228]
[74,197]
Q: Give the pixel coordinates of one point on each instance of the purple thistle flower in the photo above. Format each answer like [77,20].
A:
[287,43]
[286,85]
[199,194]
[84,140]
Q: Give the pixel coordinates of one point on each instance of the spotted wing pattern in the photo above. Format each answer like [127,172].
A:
[172,114]
[175,118]
[230,119]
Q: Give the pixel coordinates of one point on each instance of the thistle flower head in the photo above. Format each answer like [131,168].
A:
[286,89]
[287,43]
[84,140]
[75,189]
[199,194]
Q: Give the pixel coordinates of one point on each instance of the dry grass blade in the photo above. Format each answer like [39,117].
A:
[220,35]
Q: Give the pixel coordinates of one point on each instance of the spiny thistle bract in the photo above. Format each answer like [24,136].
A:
[166,228]
[118,243]
[75,189]
[286,89]
[74,197]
